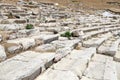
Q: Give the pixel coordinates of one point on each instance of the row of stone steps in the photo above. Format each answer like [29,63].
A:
[23,44]
[77,62]
[109,47]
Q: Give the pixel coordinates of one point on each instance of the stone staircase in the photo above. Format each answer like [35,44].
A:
[40,54]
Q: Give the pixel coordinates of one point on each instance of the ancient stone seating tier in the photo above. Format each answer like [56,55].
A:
[62,44]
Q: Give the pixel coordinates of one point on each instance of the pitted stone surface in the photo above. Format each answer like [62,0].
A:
[3,55]
[26,65]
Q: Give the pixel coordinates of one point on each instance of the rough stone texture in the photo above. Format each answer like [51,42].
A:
[67,43]
[46,48]
[95,42]
[110,71]
[57,75]
[109,48]
[101,58]
[1,38]
[101,70]
[117,56]
[14,49]
[118,70]
[114,47]
[50,38]
[25,66]
[46,38]
[2,53]
[75,34]
[77,66]
[60,53]
[87,53]
[11,26]
[103,49]
[25,42]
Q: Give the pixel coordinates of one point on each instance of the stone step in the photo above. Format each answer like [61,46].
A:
[77,66]
[86,53]
[100,68]
[2,53]
[110,47]
[26,43]
[51,74]
[117,55]
[97,41]
[118,70]
[91,34]
[7,27]
[94,33]
[77,61]
[114,47]
[1,38]
[25,66]
[87,29]
[65,43]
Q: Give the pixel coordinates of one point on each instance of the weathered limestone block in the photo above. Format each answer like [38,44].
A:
[77,66]
[87,54]
[1,38]
[96,42]
[25,42]
[101,69]
[57,75]
[14,49]
[2,53]
[11,26]
[118,70]
[67,43]
[46,48]
[75,34]
[117,56]
[114,47]
[110,71]
[50,38]
[109,48]
[46,38]
[101,58]
[25,66]
[60,53]
[103,49]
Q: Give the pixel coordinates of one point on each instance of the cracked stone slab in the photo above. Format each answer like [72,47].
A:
[86,53]
[66,43]
[101,58]
[117,56]
[110,47]
[1,38]
[77,66]
[25,42]
[46,48]
[51,74]
[46,38]
[101,70]
[93,43]
[24,66]
[60,53]
[114,47]
[110,71]
[3,55]
[96,42]
[95,70]
[118,70]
